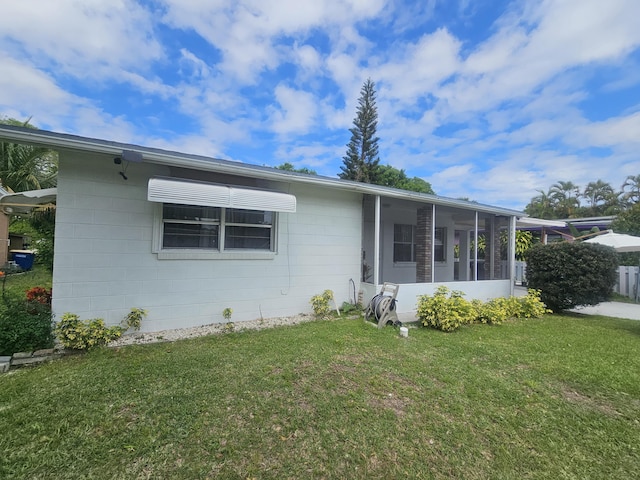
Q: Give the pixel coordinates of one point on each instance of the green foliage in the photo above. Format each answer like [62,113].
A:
[445,310]
[320,304]
[24,325]
[226,313]
[349,308]
[389,176]
[133,319]
[26,167]
[531,305]
[43,222]
[524,240]
[77,334]
[571,274]
[361,160]
[562,200]
[493,312]
[628,221]
[288,167]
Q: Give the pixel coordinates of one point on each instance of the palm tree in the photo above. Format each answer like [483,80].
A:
[598,194]
[566,197]
[631,189]
[26,167]
[541,206]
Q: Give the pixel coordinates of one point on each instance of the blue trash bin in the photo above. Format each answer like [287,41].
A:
[24,258]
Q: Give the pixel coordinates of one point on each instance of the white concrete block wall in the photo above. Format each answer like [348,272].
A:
[104,265]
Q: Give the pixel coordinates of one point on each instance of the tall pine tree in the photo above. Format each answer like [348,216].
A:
[361,161]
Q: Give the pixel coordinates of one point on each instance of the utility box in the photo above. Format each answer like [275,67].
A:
[24,258]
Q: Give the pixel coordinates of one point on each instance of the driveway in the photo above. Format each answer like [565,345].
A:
[612,309]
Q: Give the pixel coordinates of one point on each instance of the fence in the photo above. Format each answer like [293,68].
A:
[626,282]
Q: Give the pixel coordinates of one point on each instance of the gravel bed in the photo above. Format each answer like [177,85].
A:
[140,338]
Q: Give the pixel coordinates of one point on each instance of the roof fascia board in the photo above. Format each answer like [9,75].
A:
[177,159]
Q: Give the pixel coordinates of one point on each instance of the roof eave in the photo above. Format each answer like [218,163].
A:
[177,159]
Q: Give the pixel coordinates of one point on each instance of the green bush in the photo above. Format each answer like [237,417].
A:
[571,274]
[320,304]
[24,326]
[445,310]
[78,334]
[495,311]
[531,305]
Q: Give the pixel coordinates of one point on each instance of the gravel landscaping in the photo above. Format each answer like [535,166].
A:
[140,338]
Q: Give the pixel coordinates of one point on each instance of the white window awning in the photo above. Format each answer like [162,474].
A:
[170,190]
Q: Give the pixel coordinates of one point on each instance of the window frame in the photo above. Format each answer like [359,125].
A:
[196,253]
[412,243]
[443,246]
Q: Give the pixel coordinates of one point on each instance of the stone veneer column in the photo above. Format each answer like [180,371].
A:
[424,240]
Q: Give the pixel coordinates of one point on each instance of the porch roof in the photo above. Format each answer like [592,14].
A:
[63,141]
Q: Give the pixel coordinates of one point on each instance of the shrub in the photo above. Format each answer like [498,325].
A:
[133,319]
[530,306]
[571,274]
[320,304]
[24,327]
[495,311]
[77,334]
[40,295]
[349,308]
[445,310]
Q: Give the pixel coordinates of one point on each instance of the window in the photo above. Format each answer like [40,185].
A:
[216,228]
[404,243]
[440,245]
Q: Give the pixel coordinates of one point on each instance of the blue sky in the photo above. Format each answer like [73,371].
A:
[490,100]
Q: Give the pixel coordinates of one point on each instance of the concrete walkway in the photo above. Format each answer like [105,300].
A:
[612,309]
[606,309]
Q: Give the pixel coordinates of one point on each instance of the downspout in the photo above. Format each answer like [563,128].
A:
[376,244]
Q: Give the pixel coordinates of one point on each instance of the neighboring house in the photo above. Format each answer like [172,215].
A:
[18,203]
[184,237]
[556,230]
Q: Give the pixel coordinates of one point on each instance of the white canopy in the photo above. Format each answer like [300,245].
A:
[24,202]
[621,242]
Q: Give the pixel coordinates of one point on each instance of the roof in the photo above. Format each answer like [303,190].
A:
[531,222]
[63,141]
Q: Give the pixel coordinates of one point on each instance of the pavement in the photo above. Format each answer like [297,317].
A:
[612,309]
[606,309]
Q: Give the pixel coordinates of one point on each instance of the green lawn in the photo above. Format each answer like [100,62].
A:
[555,398]
[19,283]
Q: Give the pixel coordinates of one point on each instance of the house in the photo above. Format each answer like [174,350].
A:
[18,203]
[185,236]
[565,229]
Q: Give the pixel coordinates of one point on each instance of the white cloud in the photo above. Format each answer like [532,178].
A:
[247,32]
[30,88]
[296,113]
[86,38]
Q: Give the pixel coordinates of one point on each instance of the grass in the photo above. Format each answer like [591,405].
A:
[616,297]
[555,398]
[19,283]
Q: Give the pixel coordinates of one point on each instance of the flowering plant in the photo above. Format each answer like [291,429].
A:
[40,295]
